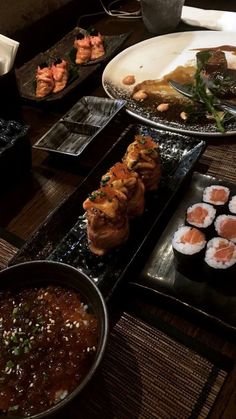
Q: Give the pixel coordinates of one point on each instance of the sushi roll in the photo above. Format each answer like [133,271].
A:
[201,215]
[232,205]
[220,260]
[143,156]
[225,226]
[188,245]
[217,195]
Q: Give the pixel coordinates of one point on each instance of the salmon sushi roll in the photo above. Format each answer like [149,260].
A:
[225,226]
[201,215]
[217,195]
[232,205]
[220,260]
[188,245]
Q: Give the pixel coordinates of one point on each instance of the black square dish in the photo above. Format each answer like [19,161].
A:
[72,133]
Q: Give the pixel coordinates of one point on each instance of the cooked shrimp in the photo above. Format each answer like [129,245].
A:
[44,80]
[83,45]
[60,74]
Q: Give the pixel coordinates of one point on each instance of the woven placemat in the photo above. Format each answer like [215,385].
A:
[7,251]
[147,374]
[220,160]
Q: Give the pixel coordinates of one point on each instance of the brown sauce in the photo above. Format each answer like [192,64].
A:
[229,48]
[181,74]
[48,341]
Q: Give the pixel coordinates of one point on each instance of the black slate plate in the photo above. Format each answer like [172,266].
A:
[63,236]
[215,303]
[78,127]
[77,73]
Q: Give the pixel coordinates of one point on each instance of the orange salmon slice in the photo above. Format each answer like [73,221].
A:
[192,236]
[197,215]
[219,195]
[224,252]
[228,228]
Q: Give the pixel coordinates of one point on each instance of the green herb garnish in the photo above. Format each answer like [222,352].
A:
[13,408]
[16,351]
[104,180]
[94,195]
[202,94]
[9,365]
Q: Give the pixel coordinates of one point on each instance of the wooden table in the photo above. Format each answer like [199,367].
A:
[26,205]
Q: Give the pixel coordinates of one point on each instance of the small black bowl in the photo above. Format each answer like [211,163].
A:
[43,273]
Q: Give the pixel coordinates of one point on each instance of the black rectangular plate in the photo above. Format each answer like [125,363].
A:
[77,73]
[215,303]
[79,126]
[63,236]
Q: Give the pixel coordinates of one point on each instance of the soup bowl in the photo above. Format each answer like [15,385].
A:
[44,278]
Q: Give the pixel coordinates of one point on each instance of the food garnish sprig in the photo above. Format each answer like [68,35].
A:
[202,94]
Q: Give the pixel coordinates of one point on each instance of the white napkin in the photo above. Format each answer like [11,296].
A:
[219,20]
[8,50]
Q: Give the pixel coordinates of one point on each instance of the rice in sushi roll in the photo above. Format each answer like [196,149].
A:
[217,195]
[188,245]
[220,259]
[225,226]
[232,205]
[201,215]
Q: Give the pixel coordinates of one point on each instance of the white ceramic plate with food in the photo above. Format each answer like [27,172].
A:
[157,57]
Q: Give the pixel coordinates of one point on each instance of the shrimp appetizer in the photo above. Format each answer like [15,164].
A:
[82,44]
[97,46]
[60,74]
[44,80]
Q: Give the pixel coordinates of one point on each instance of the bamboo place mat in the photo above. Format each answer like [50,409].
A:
[220,161]
[7,251]
[146,374]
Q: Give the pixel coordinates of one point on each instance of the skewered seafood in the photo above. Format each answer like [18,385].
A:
[60,74]
[143,157]
[97,47]
[83,45]
[128,182]
[44,80]
[108,226]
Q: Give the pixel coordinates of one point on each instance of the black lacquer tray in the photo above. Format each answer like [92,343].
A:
[215,302]
[77,73]
[63,236]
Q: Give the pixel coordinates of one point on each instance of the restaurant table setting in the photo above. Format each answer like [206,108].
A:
[170,348]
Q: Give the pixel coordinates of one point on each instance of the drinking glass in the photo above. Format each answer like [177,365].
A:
[161,16]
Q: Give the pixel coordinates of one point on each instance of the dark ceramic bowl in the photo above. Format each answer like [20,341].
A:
[40,273]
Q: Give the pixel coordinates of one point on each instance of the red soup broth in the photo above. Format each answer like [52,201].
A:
[48,342]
